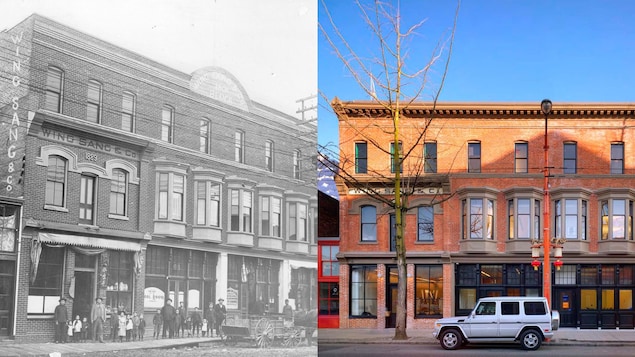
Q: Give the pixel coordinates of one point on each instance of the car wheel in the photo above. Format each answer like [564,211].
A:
[451,339]
[530,340]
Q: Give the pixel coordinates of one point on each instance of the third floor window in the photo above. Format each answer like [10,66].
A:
[521,159]
[53,99]
[167,124]
[617,158]
[93,105]
[204,134]
[239,146]
[127,112]
[474,157]
[430,157]
[269,155]
[361,158]
[570,158]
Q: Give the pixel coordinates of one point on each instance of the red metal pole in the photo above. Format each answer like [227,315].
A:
[546,239]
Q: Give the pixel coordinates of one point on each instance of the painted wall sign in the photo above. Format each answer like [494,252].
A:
[218,84]
[75,140]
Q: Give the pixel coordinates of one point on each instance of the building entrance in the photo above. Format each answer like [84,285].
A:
[7,276]
[391,296]
[84,287]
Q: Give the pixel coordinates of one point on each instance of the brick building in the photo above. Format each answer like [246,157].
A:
[476,180]
[141,182]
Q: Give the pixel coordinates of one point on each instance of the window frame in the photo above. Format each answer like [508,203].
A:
[167,124]
[421,221]
[487,215]
[50,90]
[128,113]
[269,155]
[211,201]
[474,157]
[366,289]
[372,225]
[242,219]
[617,158]
[429,272]
[567,158]
[270,220]
[296,164]
[361,157]
[204,141]
[62,182]
[92,102]
[116,195]
[170,212]
[47,268]
[608,218]
[298,221]
[521,157]
[534,217]
[561,213]
[430,157]
[239,146]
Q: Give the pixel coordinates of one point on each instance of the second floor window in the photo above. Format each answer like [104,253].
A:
[167,124]
[93,105]
[296,164]
[570,158]
[270,221]
[207,203]
[171,193]
[361,158]
[524,218]
[617,158]
[204,134]
[521,159]
[239,147]
[87,199]
[474,157]
[53,98]
[570,218]
[118,192]
[617,219]
[369,224]
[425,224]
[329,265]
[269,155]
[55,181]
[478,218]
[430,158]
[127,112]
[241,206]
[297,221]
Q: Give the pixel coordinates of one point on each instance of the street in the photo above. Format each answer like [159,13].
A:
[214,350]
[394,349]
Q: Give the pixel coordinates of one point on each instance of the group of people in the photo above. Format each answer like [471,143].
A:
[77,329]
[126,325]
[173,322]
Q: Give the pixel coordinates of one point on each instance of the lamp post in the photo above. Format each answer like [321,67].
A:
[545,107]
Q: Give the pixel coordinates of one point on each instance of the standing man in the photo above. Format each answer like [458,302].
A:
[168,312]
[287,312]
[98,317]
[61,316]
[219,315]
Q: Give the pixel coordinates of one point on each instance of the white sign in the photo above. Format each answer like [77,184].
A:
[232,299]
[153,298]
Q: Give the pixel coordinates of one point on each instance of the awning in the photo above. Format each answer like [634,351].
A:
[91,242]
[296,264]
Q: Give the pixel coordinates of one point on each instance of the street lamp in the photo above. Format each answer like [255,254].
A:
[545,107]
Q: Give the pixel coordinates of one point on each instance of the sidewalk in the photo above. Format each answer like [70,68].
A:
[10,349]
[563,337]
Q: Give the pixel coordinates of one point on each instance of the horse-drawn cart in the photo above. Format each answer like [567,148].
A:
[264,331]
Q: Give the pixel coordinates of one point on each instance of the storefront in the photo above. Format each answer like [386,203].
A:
[9,232]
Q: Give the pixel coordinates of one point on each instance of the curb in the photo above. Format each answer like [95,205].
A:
[564,342]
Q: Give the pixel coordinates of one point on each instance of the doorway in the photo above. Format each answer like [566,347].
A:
[7,273]
[391,295]
[84,288]
[566,304]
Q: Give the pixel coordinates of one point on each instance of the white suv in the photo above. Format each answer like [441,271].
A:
[500,319]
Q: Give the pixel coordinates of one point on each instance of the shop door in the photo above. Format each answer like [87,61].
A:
[566,304]
[391,307]
[84,288]
[589,310]
[7,273]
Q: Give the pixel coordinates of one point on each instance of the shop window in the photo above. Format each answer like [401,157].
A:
[46,290]
[467,298]
[478,218]
[588,299]
[303,287]
[207,203]
[566,275]
[569,157]
[617,219]
[178,263]
[430,157]
[55,181]
[522,157]
[361,158]
[329,299]
[491,274]
[270,216]
[428,290]
[93,105]
[157,260]
[127,112]
[120,286]
[571,218]
[626,274]
[54,85]
[329,266]
[589,275]
[368,224]
[8,227]
[626,299]
[474,157]
[241,209]
[363,291]
[608,275]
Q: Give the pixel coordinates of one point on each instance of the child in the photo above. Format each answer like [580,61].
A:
[77,329]
[69,325]
[204,328]
[142,327]
[128,328]
[188,327]
[84,329]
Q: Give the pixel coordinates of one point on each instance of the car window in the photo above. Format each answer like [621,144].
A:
[486,308]
[510,308]
[535,308]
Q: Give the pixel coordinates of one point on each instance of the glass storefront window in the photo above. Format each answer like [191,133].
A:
[608,299]
[589,275]
[566,275]
[626,299]
[428,290]
[491,274]
[588,299]
[364,290]
[467,299]
[329,299]
[120,280]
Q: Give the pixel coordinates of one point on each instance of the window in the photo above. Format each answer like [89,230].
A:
[329,266]
[269,155]
[240,220]
[171,193]
[510,308]
[46,290]
[369,223]
[204,136]
[120,279]
[363,291]
[361,158]
[393,163]
[127,112]
[523,218]
[425,224]
[430,157]
[53,98]
[55,181]
[570,158]
[617,219]
[478,218]
[118,192]
[329,298]
[93,105]
[270,216]
[428,290]
[239,147]
[474,157]
[297,221]
[87,199]
[486,308]
[535,308]
[167,124]
[207,203]
[617,158]
[571,218]
[522,156]
[296,164]
[8,227]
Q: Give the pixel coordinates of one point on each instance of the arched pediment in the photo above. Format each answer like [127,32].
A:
[219,84]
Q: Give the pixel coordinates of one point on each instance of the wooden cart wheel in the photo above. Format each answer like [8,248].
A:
[264,333]
[292,337]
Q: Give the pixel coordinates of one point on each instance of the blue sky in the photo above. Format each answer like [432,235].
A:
[504,51]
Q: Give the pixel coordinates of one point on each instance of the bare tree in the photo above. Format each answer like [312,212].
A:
[392,86]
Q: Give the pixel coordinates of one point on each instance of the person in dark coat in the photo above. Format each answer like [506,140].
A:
[61,316]
[157,321]
[114,324]
[220,311]
[168,312]
[211,322]
[197,321]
